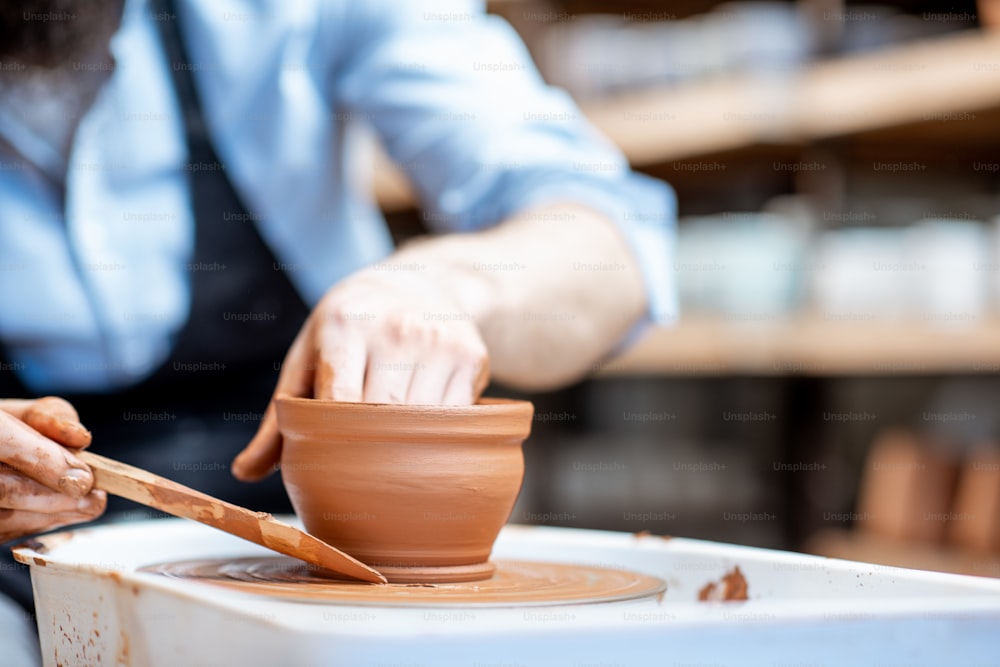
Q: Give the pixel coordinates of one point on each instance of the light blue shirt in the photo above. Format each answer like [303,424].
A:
[90,296]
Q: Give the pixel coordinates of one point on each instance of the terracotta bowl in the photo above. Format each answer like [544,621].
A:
[419,492]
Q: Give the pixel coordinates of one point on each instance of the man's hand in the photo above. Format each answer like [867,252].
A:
[380,336]
[42,485]
[548,293]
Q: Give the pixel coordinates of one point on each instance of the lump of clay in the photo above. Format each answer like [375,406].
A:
[732,586]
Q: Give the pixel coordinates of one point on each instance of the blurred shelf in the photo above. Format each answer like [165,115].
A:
[928,83]
[811,346]
[853,545]
[929,80]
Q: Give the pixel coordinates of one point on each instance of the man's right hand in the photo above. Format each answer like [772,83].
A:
[42,485]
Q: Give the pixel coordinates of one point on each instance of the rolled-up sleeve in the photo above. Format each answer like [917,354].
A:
[460,107]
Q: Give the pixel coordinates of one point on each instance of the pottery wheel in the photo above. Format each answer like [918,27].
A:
[514,584]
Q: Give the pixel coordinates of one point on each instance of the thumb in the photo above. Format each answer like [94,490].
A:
[260,458]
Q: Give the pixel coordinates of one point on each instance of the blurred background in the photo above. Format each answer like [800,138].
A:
[832,384]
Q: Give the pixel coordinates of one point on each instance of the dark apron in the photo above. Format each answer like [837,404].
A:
[201,407]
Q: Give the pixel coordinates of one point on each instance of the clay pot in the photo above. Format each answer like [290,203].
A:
[419,492]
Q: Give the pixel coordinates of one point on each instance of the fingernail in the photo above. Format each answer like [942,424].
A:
[76,483]
[91,501]
[74,426]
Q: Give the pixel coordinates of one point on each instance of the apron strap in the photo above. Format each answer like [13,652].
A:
[244,310]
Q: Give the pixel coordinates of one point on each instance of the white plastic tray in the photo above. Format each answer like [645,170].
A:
[95,609]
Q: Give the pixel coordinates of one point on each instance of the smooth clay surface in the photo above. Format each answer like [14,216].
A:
[419,492]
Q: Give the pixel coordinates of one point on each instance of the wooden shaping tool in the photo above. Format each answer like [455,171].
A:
[258,527]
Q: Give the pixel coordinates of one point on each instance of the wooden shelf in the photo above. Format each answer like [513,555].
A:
[928,81]
[931,84]
[811,346]
[931,80]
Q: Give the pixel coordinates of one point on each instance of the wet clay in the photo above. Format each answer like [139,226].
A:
[515,583]
[418,492]
[732,586]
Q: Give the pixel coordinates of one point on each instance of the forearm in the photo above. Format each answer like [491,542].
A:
[551,290]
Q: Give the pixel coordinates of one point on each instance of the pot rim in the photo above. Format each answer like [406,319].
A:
[489,417]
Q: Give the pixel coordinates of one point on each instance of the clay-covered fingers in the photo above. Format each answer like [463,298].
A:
[55,418]
[23,449]
[15,524]
[18,492]
[42,485]
[260,457]
[51,416]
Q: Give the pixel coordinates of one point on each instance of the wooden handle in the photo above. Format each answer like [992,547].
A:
[141,486]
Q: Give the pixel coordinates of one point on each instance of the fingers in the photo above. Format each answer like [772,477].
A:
[51,416]
[259,458]
[16,406]
[55,418]
[42,485]
[429,381]
[481,380]
[418,362]
[371,340]
[24,449]
[15,524]
[323,382]
[18,492]
[468,382]
[388,377]
[342,357]
[395,354]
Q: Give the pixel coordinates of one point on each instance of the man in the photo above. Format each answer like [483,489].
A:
[179,190]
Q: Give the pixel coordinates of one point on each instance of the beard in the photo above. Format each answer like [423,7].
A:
[52,33]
